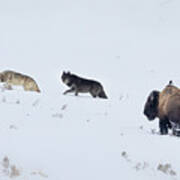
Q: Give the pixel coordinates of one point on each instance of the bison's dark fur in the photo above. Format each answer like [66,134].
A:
[165,105]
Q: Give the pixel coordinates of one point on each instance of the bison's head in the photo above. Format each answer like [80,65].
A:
[151,106]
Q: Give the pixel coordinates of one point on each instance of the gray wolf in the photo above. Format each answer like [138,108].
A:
[165,105]
[11,78]
[81,85]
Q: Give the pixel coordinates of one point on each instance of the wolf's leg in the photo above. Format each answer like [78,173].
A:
[7,86]
[26,88]
[69,91]
[76,93]
[29,89]
[93,95]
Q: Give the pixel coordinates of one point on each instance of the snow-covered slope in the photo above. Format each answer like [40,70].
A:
[131,47]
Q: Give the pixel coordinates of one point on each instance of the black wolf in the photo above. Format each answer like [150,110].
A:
[81,85]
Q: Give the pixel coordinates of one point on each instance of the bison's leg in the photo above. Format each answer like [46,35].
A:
[175,128]
[163,126]
[176,132]
[169,125]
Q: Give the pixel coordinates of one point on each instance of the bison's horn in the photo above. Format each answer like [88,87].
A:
[170,82]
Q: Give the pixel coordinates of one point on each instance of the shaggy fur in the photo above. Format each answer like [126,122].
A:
[165,105]
[13,78]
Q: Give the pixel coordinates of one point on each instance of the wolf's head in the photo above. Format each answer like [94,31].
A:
[151,106]
[66,78]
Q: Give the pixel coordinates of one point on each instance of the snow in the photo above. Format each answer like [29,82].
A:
[131,47]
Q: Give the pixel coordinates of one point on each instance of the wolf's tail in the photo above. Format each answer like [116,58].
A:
[102,94]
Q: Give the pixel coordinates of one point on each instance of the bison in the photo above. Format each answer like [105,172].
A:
[165,105]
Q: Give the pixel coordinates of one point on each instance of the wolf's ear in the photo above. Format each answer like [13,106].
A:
[68,72]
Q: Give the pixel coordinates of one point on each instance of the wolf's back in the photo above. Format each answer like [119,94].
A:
[31,85]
